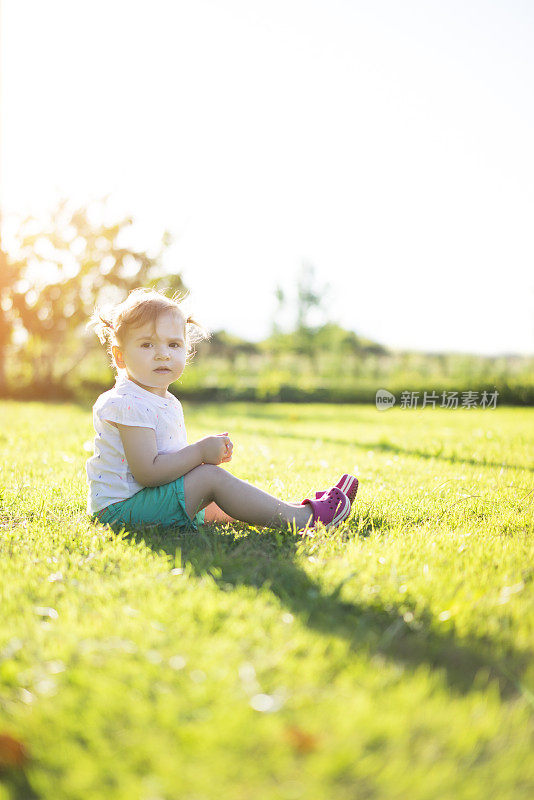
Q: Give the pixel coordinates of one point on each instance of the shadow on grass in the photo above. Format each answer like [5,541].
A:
[237,555]
[390,447]
[18,785]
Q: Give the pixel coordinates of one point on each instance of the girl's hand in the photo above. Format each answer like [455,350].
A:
[229,447]
[216,449]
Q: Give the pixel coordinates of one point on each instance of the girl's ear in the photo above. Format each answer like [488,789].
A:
[117,355]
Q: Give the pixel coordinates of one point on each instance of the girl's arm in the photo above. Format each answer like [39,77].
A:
[152,469]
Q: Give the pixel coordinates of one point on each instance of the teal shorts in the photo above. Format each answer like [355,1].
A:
[163,506]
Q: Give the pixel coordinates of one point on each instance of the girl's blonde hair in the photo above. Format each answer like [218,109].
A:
[140,307]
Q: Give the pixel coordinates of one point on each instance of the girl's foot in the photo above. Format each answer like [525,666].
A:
[332,508]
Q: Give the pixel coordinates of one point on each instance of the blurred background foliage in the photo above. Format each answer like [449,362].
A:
[55,270]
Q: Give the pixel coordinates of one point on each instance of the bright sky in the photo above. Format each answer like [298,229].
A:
[389,144]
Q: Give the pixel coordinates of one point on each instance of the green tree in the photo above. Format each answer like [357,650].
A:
[60,268]
[280,296]
[8,275]
[311,301]
[310,296]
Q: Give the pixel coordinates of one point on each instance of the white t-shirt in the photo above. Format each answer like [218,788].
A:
[108,474]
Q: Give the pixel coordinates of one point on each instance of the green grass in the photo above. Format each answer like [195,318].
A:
[392,658]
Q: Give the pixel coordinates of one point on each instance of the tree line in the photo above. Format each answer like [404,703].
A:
[55,270]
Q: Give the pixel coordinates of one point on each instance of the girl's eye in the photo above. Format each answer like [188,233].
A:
[176,344]
[146,344]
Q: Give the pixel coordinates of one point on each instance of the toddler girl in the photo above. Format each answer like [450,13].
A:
[143,471]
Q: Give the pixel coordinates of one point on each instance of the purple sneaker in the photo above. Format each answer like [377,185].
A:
[332,508]
[348,484]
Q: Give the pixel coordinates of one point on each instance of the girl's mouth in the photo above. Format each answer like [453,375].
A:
[162,369]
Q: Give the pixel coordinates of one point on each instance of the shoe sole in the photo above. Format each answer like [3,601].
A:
[349,486]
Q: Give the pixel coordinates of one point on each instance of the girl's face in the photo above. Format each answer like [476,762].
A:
[154,354]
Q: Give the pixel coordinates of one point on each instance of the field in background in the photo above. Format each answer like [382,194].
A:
[331,370]
[391,658]
[332,375]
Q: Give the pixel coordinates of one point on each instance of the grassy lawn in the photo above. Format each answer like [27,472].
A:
[392,658]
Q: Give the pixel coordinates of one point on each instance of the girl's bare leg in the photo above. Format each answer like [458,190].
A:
[213,514]
[242,501]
